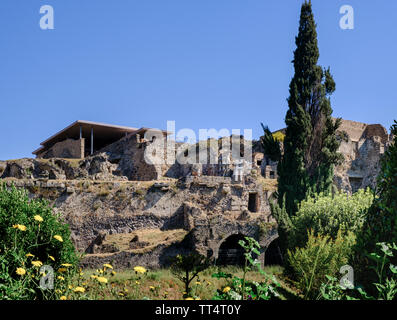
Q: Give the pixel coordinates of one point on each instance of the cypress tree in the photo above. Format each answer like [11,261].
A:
[310,144]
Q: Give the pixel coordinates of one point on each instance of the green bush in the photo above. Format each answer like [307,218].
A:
[321,256]
[31,235]
[327,214]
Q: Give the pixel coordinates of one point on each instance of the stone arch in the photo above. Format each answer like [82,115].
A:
[230,252]
[272,254]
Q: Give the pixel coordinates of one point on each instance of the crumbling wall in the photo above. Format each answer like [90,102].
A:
[69,149]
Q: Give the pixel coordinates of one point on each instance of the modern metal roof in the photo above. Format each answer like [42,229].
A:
[104,131]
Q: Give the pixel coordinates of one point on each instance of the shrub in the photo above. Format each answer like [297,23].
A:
[321,256]
[385,288]
[327,214]
[187,267]
[31,235]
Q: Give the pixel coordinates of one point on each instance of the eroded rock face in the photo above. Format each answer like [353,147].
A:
[207,208]
[97,167]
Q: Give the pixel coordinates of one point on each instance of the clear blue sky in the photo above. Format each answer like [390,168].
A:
[203,63]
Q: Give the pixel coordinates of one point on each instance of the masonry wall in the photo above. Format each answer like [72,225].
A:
[69,149]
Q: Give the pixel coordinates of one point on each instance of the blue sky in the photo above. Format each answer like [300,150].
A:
[203,63]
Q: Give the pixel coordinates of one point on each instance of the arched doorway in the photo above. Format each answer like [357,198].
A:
[273,254]
[230,252]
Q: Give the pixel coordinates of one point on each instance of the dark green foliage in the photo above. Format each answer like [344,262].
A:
[270,145]
[38,240]
[381,222]
[187,267]
[311,144]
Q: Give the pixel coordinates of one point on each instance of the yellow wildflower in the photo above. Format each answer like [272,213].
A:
[58,237]
[94,276]
[226,289]
[139,269]
[37,263]
[61,278]
[137,282]
[113,273]
[29,255]
[198,283]
[102,279]
[20,271]
[189,298]
[79,289]
[66,265]
[62,298]
[107,265]
[38,218]
[19,226]
[51,257]
[62,270]
[151,288]
[121,294]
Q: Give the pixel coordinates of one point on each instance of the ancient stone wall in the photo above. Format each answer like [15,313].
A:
[69,148]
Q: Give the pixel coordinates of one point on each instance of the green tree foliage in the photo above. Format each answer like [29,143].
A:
[320,257]
[381,222]
[271,146]
[311,144]
[27,230]
[329,214]
[187,267]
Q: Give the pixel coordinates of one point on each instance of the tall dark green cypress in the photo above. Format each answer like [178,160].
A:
[310,144]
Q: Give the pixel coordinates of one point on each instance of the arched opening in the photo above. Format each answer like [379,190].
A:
[273,254]
[230,252]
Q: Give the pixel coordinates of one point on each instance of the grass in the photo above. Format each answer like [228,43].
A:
[161,284]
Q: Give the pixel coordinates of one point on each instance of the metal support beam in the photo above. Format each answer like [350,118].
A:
[92,140]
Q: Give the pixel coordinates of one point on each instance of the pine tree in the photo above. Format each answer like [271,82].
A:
[310,144]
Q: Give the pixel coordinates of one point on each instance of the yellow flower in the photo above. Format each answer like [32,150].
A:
[151,288]
[113,273]
[137,282]
[19,226]
[94,276]
[61,278]
[20,271]
[226,289]
[52,258]
[126,290]
[37,263]
[62,298]
[139,269]
[107,265]
[121,294]
[70,286]
[198,283]
[81,273]
[62,270]
[79,289]
[189,298]
[102,279]
[38,218]
[29,255]
[66,265]
[58,237]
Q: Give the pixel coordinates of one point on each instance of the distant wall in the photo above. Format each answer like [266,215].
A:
[69,149]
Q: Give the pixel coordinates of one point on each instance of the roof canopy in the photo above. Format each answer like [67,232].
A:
[104,134]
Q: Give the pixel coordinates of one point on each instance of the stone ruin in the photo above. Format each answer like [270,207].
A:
[116,202]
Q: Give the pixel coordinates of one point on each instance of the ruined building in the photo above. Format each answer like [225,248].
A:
[127,210]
